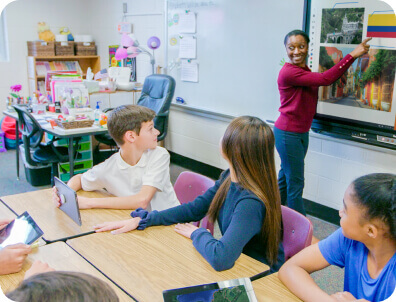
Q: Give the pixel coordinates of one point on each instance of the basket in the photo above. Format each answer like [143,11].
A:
[41,48]
[74,124]
[64,48]
[85,48]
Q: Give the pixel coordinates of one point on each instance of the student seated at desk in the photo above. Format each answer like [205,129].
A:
[245,201]
[12,256]
[365,246]
[42,283]
[138,175]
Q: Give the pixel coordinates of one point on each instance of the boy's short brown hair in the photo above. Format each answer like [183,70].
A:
[127,118]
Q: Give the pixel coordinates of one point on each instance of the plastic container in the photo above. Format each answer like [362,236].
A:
[36,175]
[97,114]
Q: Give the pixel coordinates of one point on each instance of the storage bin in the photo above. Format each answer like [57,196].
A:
[85,48]
[41,48]
[64,48]
[36,175]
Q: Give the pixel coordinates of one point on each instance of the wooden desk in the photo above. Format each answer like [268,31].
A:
[271,289]
[55,224]
[144,263]
[6,213]
[60,257]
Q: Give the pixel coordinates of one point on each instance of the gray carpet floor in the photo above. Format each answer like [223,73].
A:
[330,279]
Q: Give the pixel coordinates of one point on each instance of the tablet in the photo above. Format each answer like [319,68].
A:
[240,290]
[22,229]
[68,197]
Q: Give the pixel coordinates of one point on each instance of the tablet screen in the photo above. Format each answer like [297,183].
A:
[22,229]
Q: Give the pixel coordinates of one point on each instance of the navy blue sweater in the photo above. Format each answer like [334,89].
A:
[240,219]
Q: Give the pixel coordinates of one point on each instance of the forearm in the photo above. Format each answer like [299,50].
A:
[300,283]
[123,203]
[75,182]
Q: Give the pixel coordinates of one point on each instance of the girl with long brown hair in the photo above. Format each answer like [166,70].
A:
[245,201]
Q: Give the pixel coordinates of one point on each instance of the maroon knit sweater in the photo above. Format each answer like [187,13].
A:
[298,88]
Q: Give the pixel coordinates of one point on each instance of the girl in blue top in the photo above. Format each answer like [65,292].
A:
[245,201]
[365,245]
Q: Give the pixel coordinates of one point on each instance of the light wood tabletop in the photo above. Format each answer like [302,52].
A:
[6,213]
[270,288]
[56,224]
[144,263]
[61,257]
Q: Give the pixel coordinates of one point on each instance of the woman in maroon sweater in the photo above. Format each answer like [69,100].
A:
[298,88]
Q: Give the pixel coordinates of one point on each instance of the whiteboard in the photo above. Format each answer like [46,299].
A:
[239,53]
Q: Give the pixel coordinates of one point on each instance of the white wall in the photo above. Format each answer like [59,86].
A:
[330,165]
[96,17]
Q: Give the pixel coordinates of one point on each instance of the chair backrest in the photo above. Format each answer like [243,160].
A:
[157,94]
[297,231]
[190,185]
[32,133]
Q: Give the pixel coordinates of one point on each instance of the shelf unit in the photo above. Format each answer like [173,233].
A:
[84,61]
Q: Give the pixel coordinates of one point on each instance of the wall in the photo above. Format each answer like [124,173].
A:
[96,17]
[330,166]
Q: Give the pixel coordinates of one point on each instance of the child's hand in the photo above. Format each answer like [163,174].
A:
[344,296]
[12,258]
[55,197]
[118,227]
[38,267]
[4,222]
[185,229]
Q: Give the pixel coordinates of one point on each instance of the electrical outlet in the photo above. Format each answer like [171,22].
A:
[125,7]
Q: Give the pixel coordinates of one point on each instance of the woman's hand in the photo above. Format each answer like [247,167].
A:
[118,227]
[185,229]
[361,49]
[38,267]
[55,197]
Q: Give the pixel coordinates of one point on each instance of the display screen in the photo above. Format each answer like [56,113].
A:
[365,93]
[22,229]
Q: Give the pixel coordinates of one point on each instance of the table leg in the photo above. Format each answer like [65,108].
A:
[17,147]
[71,157]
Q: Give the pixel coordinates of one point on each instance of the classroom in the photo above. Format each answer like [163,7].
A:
[210,63]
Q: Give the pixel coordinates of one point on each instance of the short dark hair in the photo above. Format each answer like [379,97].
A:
[376,193]
[296,32]
[127,118]
[63,286]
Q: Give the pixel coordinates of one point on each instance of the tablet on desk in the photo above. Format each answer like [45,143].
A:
[240,290]
[22,229]
[68,197]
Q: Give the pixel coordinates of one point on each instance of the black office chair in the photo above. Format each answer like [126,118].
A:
[36,152]
[157,94]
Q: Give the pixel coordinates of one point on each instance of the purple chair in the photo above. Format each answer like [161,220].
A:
[190,185]
[297,231]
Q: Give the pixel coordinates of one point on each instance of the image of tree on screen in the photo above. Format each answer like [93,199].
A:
[342,25]
[368,83]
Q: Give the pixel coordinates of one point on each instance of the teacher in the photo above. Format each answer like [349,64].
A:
[298,88]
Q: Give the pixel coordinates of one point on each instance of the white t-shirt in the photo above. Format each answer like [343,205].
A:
[121,179]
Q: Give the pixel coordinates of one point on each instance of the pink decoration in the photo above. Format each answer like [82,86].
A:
[126,41]
[16,88]
[153,42]
[121,53]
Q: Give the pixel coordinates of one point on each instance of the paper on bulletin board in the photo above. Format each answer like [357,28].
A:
[188,48]
[187,23]
[189,71]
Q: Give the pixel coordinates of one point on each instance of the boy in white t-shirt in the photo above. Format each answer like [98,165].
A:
[137,175]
